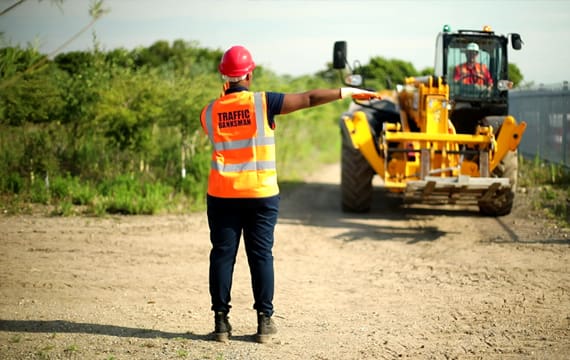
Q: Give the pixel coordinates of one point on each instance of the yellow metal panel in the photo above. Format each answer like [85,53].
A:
[452,138]
[509,138]
[362,139]
[436,115]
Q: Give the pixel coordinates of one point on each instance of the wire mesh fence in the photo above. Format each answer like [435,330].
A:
[546,110]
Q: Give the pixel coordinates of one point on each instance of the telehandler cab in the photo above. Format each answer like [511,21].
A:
[440,139]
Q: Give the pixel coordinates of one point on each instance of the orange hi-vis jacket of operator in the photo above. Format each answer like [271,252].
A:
[473,74]
[243,159]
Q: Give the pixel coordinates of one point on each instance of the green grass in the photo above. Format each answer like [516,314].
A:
[71,349]
[15,339]
[548,185]
[182,353]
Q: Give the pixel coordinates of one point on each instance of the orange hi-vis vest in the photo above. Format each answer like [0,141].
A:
[243,157]
[477,74]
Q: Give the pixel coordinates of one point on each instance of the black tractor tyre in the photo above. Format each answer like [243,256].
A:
[356,179]
[502,203]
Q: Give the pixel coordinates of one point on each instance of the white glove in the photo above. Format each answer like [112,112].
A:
[359,94]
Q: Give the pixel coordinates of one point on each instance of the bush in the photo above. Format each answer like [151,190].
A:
[550,182]
[130,196]
[59,188]
[64,208]
[39,193]
[82,194]
[71,189]
[12,183]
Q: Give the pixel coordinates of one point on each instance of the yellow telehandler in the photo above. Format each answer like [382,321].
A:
[436,139]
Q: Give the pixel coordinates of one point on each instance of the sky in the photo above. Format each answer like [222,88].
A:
[296,37]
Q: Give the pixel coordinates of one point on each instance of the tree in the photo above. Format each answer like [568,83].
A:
[37,97]
[427,71]
[128,109]
[515,75]
[119,57]
[96,10]
[75,62]
[186,98]
[384,73]
[154,56]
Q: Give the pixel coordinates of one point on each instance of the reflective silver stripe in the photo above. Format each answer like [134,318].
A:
[252,165]
[259,114]
[209,121]
[242,144]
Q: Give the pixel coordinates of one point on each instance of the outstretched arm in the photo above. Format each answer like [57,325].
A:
[294,102]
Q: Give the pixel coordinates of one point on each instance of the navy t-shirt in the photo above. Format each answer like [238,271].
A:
[274,104]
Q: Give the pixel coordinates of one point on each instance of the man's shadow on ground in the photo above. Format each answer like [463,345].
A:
[64,326]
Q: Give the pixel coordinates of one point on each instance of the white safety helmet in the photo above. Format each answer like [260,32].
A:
[472,47]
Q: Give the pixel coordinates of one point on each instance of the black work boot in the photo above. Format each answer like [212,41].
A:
[222,327]
[265,328]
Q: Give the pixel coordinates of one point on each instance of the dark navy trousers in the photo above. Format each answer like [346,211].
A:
[228,219]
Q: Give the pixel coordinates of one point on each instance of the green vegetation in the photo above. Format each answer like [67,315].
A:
[110,132]
[515,75]
[71,349]
[182,353]
[548,186]
[45,352]
[15,339]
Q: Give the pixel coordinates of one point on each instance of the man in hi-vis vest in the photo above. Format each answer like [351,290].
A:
[472,72]
[243,195]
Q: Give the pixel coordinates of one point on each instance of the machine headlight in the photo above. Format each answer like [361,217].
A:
[353,80]
[504,85]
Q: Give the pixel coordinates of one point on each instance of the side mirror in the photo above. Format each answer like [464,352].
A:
[339,55]
[516,41]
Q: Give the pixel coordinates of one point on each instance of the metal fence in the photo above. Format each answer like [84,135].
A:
[546,110]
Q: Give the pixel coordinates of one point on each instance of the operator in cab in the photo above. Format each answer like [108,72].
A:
[472,72]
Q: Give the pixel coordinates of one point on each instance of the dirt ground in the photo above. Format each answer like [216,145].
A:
[408,282]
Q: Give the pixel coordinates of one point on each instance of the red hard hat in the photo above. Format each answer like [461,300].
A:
[236,62]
